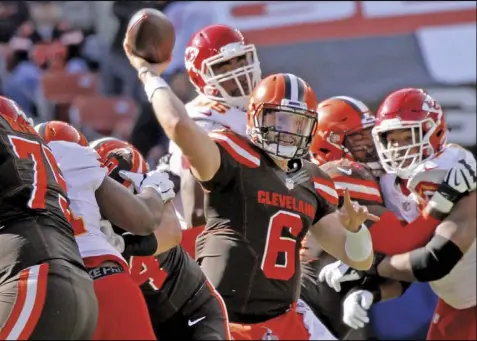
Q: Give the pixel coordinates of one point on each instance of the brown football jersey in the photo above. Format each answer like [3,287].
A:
[361,184]
[257,216]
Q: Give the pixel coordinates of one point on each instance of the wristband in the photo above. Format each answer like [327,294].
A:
[152,84]
[358,245]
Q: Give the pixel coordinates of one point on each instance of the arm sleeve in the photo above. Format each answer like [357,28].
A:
[390,236]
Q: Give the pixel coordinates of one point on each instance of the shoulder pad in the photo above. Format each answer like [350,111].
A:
[232,118]
[322,183]
[443,161]
[356,178]
[202,108]
[237,147]
[427,177]
[209,125]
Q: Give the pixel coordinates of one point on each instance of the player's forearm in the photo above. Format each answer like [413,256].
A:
[201,152]
[397,267]
[154,206]
[139,214]
[169,233]
[438,257]
[169,110]
[353,249]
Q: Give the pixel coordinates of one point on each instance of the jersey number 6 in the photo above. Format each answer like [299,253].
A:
[277,244]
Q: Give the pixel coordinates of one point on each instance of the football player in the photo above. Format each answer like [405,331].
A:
[224,68]
[182,303]
[344,135]
[425,179]
[41,270]
[122,309]
[261,199]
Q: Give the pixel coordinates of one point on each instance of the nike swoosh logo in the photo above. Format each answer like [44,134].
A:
[191,323]
[345,171]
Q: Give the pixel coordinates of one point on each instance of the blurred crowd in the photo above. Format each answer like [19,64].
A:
[55,63]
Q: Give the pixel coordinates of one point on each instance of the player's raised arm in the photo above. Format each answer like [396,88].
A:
[343,235]
[200,150]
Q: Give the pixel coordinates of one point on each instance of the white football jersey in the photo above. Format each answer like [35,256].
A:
[458,288]
[210,115]
[84,174]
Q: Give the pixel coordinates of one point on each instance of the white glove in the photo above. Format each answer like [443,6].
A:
[337,272]
[355,308]
[156,179]
[114,239]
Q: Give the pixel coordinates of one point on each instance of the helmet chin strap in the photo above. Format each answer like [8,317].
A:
[287,152]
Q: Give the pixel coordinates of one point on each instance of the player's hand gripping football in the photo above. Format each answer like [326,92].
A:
[140,63]
[352,215]
[156,180]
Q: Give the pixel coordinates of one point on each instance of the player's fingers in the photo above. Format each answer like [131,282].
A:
[336,280]
[328,278]
[362,319]
[347,204]
[336,284]
[323,272]
[344,218]
[353,321]
[135,178]
[360,313]
[372,217]
[321,275]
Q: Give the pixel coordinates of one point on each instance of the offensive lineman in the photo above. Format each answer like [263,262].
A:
[181,301]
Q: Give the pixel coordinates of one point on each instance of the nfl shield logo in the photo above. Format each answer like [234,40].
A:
[289,183]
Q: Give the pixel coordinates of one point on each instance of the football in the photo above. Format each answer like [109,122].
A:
[151,35]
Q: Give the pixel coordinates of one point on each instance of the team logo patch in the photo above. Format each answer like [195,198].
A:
[289,183]
[269,335]
[406,206]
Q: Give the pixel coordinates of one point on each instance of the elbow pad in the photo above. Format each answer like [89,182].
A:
[139,245]
[435,260]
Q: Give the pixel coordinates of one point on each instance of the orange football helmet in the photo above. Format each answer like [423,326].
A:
[344,131]
[10,111]
[105,144]
[119,155]
[281,116]
[60,131]
[412,109]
